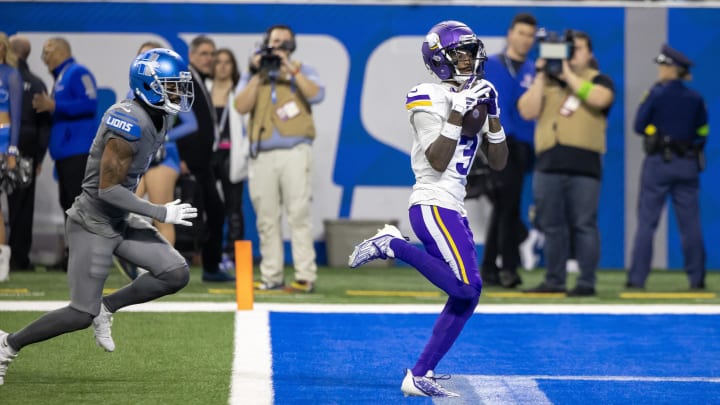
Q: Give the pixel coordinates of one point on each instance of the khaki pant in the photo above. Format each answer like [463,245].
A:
[280,179]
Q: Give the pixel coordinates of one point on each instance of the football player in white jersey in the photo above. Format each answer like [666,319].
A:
[442,153]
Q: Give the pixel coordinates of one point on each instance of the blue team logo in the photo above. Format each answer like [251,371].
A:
[124,127]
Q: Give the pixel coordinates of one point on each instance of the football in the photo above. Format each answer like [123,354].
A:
[474,120]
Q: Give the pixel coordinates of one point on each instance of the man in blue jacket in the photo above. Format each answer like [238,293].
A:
[73,105]
[513,72]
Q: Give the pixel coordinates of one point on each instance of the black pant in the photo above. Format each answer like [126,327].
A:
[507,229]
[21,207]
[70,172]
[233,195]
[211,211]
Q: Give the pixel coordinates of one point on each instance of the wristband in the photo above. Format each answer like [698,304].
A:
[496,137]
[12,150]
[584,90]
[451,131]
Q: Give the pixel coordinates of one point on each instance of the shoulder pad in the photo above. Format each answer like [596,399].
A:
[426,97]
[122,121]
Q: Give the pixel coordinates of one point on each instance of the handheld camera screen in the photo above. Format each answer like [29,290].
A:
[554,50]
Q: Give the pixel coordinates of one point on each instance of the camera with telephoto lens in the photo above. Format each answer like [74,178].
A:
[555,48]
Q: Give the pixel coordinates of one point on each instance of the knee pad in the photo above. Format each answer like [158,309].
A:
[176,279]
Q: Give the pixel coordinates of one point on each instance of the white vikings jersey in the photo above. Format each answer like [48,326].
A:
[428,106]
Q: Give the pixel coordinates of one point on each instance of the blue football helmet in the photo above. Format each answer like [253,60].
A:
[161,78]
[442,46]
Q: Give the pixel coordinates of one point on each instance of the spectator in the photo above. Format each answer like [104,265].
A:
[278,94]
[33,141]
[230,158]
[159,180]
[442,153]
[196,151]
[513,72]
[673,121]
[571,107]
[73,104]
[11,93]
[99,223]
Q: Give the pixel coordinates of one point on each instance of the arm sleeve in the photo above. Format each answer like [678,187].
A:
[84,90]
[16,94]
[313,76]
[123,198]
[644,112]
[186,125]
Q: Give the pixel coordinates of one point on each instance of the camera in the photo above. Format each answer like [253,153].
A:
[555,48]
[269,62]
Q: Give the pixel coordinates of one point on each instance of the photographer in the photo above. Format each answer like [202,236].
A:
[673,121]
[278,93]
[570,106]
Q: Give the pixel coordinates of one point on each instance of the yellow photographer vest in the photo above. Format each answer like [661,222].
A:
[584,128]
[290,114]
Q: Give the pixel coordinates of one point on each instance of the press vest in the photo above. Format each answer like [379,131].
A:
[265,116]
[585,128]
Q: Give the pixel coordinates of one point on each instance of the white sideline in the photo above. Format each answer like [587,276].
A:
[185,306]
[251,380]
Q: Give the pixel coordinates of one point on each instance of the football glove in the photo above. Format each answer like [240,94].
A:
[177,213]
[490,98]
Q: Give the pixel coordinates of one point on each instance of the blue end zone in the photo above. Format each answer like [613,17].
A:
[359,358]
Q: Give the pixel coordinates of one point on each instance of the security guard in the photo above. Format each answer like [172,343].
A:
[673,122]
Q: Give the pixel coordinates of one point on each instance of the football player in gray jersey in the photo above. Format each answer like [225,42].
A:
[102,221]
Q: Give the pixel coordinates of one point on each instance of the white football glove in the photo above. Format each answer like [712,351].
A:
[467,99]
[177,213]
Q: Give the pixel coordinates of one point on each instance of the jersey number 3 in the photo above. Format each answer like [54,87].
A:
[469,145]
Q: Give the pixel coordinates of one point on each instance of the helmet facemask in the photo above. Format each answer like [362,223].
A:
[469,53]
[176,94]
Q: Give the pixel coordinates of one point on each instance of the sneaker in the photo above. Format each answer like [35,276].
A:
[302,286]
[7,354]
[377,247]
[101,326]
[581,291]
[128,269]
[509,278]
[263,286]
[217,277]
[426,386]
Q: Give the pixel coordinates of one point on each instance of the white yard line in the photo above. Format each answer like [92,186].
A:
[251,381]
[168,306]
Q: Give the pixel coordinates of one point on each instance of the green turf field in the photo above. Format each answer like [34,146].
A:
[389,285]
[161,358]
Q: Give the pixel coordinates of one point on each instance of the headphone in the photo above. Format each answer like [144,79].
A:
[291,43]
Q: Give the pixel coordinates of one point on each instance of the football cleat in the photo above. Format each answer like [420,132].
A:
[101,326]
[7,354]
[425,386]
[377,247]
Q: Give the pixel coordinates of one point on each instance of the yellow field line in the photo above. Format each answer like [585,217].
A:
[380,293]
[523,295]
[226,291]
[649,295]
[14,291]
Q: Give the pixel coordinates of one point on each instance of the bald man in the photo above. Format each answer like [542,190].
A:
[73,104]
[33,141]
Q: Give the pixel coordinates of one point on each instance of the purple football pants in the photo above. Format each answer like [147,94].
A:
[449,262]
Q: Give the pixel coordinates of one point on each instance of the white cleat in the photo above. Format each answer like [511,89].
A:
[101,326]
[425,386]
[7,354]
[377,247]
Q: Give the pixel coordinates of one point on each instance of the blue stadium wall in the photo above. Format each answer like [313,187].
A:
[363,157]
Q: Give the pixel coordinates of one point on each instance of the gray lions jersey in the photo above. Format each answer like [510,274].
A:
[126,120]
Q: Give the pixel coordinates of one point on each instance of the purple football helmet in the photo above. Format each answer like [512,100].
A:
[443,44]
